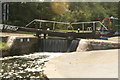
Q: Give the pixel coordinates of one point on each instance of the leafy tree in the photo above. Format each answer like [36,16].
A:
[119,10]
[23,13]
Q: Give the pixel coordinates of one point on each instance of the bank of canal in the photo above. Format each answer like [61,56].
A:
[32,64]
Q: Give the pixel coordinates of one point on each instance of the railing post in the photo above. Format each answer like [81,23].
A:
[83,27]
[53,26]
[94,27]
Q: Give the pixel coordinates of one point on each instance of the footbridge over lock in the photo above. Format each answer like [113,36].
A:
[62,29]
[67,29]
[68,36]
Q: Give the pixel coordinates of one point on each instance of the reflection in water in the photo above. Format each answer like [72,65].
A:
[27,66]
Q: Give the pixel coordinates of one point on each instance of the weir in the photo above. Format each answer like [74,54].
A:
[57,45]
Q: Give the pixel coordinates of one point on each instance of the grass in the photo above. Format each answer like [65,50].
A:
[3,46]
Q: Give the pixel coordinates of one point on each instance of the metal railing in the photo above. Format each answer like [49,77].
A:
[70,25]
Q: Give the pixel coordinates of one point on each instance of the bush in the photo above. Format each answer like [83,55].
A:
[3,46]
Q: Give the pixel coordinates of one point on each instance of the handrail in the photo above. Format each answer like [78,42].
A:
[85,22]
[70,24]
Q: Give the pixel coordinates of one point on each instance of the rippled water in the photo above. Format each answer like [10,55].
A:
[26,66]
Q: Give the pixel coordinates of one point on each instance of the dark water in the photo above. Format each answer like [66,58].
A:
[23,66]
[31,66]
[26,66]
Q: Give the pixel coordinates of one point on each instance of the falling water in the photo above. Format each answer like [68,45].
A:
[31,66]
[58,45]
[26,66]
[73,46]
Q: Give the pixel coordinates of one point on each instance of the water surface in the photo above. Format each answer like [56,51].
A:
[25,66]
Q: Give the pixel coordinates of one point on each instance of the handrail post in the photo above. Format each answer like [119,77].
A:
[94,27]
[54,26]
[83,27]
[40,26]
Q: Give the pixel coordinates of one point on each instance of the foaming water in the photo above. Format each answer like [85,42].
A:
[25,66]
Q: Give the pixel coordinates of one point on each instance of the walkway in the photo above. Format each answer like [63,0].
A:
[90,64]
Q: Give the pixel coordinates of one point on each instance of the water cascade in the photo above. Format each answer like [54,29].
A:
[73,46]
[57,45]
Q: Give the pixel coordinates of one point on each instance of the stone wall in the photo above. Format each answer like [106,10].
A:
[27,45]
[96,45]
[23,46]
[87,45]
[4,38]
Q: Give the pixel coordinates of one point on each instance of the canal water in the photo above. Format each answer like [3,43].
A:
[25,66]
[33,65]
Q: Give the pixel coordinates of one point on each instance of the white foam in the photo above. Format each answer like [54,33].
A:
[36,55]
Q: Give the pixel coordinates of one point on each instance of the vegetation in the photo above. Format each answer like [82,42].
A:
[119,10]
[22,13]
[3,46]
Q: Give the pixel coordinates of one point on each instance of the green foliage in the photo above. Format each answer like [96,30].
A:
[119,10]
[3,46]
[23,13]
